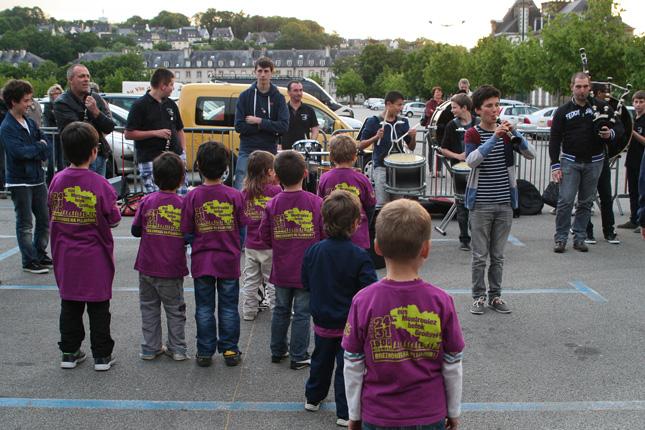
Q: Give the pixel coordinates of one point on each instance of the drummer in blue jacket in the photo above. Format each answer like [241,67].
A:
[386,132]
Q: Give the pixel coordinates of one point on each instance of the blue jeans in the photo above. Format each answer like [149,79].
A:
[326,352]
[240,169]
[490,225]
[228,291]
[285,298]
[99,165]
[577,178]
[28,200]
[441,425]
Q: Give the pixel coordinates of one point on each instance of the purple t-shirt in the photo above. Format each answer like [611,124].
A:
[254,210]
[162,250]
[82,207]
[358,184]
[291,223]
[214,215]
[403,328]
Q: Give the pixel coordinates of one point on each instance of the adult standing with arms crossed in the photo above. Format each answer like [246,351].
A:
[303,123]
[78,103]
[261,115]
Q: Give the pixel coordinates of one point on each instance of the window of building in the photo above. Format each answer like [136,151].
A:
[277,63]
[199,63]
[210,63]
[220,63]
[322,73]
[231,63]
[311,62]
[187,63]
[166,64]
[322,63]
[177,75]
[188,73]
[289,63]
[300,62]
[300,73]
[199,74]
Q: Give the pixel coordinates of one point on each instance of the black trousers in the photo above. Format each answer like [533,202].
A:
[632,186]
[606,202]
[72,331]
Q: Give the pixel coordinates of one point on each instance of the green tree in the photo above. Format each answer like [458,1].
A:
[110,70]
[55,48]
[634,60]
[414,65]
[521,68]
[169,20]
[344,64]
[209,20]
[162,46]
[350,84]
[316,77]
[487,60]
[83,42]
[445,66]
[392,81]
[19,17]
[374,60]
[299,36]
[135,20]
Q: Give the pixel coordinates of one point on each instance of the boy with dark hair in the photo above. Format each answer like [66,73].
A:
[83,210]
[261,116]
[634,157]
[291,223]
[26,149]
[333,271]
[211,216]
[452,147]
[161,261]
[491,194]
[342,152]
[386,133]
[155,125]
[403,332]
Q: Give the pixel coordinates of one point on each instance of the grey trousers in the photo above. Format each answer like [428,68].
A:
[490,226]
[153,292]
[257,269]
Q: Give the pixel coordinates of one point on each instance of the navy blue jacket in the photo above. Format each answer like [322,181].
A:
[334,270]
[272,108]
[25,151]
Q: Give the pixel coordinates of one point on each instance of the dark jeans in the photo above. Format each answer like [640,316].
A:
[228,317]
[606,202]
[72,331]
[632,186]
[436,426]
[326,352]
[462,219]
[28,200]
[286,301]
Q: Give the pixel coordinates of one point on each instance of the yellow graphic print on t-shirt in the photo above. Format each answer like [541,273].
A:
[223,221]
[423,327]
[164,221]
[284,225]
[346,187]
[85,201]
[255,208]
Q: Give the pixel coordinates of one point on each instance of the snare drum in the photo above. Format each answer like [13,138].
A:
[405,174]
[305,147]
[460,172]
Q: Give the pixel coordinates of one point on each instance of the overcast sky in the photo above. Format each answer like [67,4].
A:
[350,19]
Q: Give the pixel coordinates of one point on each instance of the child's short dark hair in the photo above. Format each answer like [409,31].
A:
[15,90]
[483,93]
[290,167]
[79,139]
[402,227]
[161,77]
[168,171]
[263,63]
[462,100]
[342,149]
[212,159]
[340,211]
[393,97]
[640,94]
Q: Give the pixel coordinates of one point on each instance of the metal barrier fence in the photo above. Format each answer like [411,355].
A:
[438,180]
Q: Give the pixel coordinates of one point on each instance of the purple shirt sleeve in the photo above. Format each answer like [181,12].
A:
[353,338]
[453,339]
[266,227]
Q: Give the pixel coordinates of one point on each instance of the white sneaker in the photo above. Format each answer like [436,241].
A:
[312,407]
[342,423]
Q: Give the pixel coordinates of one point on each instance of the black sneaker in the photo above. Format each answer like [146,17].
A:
[204,361]
[232,358]
[300,364]
[612,238]
[590,240]
[559,247]
[477,307]
[628,225]
[46,262]
[580,246]
[499,305]
[279,358]
[102,364]
[464,246]
[35,268]
[71,359]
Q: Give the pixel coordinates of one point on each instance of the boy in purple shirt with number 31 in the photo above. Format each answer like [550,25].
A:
[403,342]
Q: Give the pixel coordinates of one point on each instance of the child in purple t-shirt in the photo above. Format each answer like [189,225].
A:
[342,151]
[211,218]
[82,208]
[403,342]
[259,187]
[290,224]
[161,261]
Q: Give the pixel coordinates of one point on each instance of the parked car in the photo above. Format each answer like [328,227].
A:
[413,108]
[509,102]
[122,100]
[378,105]
[369,103]
[512,113]
[541,118]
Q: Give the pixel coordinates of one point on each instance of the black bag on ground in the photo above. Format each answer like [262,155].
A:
[551,193]
[530,200]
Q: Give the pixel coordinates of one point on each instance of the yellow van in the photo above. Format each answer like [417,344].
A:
[208,113]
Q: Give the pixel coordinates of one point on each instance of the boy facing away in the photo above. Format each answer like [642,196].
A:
[342,151]
[211,218]
[82,207]
[333,271]
[403,342]
[291,223]
[161,261]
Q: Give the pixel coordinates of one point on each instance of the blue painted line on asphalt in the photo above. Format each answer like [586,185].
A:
[592,294]
[173,405]
[515,241]
[11,252]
